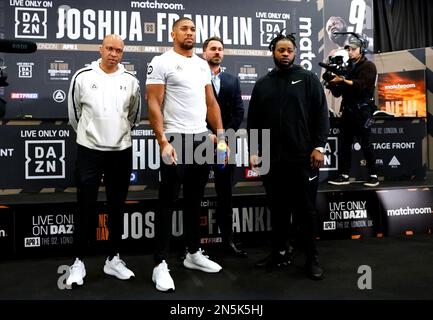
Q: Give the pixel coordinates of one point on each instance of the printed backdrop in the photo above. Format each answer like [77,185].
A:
[68,34]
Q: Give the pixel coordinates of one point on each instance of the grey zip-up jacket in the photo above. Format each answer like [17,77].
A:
[104,107]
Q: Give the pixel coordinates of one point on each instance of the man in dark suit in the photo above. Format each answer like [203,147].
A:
[228,94]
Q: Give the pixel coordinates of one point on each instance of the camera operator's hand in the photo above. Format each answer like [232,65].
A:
[337,80]
[341,80]
[335,87]
[330,85]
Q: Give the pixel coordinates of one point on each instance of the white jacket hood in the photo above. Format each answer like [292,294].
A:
[95,65]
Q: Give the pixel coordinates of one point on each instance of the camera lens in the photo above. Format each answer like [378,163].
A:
[328,76]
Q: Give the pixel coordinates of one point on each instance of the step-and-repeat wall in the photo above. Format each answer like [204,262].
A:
[45,229]
[39,155]
[68,34]
[42,157]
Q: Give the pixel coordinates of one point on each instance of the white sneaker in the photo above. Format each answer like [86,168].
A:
[201,262]
[77,272]
[162,278]
[117,267]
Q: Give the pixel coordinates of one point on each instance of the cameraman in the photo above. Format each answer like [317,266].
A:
[358,106]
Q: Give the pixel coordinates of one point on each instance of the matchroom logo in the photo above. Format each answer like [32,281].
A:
[45,159]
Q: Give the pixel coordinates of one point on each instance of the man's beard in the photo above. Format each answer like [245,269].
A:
[283,66]
[186,46]
[214,62]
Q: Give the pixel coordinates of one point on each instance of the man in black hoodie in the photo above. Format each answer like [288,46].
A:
[290,102]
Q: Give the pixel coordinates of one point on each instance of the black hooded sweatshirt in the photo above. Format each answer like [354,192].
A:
[292,104]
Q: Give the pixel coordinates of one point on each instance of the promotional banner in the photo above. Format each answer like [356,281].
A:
[406,211]
[332,147]
[251,220]
[400,149]
[37,156]
[44,229]
[399,146]
[33,157]
[145,157]
[68,34]
[403,94]
[251,223]
[7,231]
[344,17]
[47,229]
[346,214]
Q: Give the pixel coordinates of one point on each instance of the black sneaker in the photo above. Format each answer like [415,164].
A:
[313,269]
[275,259]
[235,250]
[372,182]
[340,180]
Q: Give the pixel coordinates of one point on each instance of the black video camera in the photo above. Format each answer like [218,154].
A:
[335,67]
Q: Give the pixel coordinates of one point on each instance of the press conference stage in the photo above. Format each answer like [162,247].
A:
[399,258]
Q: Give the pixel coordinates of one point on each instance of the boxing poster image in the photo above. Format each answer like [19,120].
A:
[402,94]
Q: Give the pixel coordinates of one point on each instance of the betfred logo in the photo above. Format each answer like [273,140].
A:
[24,96]
[251,174]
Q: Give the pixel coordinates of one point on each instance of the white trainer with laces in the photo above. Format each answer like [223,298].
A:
[117,267]
[198,261]
[77,272]
[162,278]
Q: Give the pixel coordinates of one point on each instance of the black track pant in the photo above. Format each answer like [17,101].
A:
[291,189]
[193,177]
[355,124]
[224,210]
[115,169]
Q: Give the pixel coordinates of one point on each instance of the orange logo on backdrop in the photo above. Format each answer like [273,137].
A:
[102,231]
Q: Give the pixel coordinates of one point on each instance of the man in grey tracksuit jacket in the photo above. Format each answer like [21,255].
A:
[104,104]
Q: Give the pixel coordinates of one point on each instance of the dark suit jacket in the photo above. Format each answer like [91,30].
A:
[230,101]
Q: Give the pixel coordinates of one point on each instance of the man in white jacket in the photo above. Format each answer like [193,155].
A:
[104,103]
